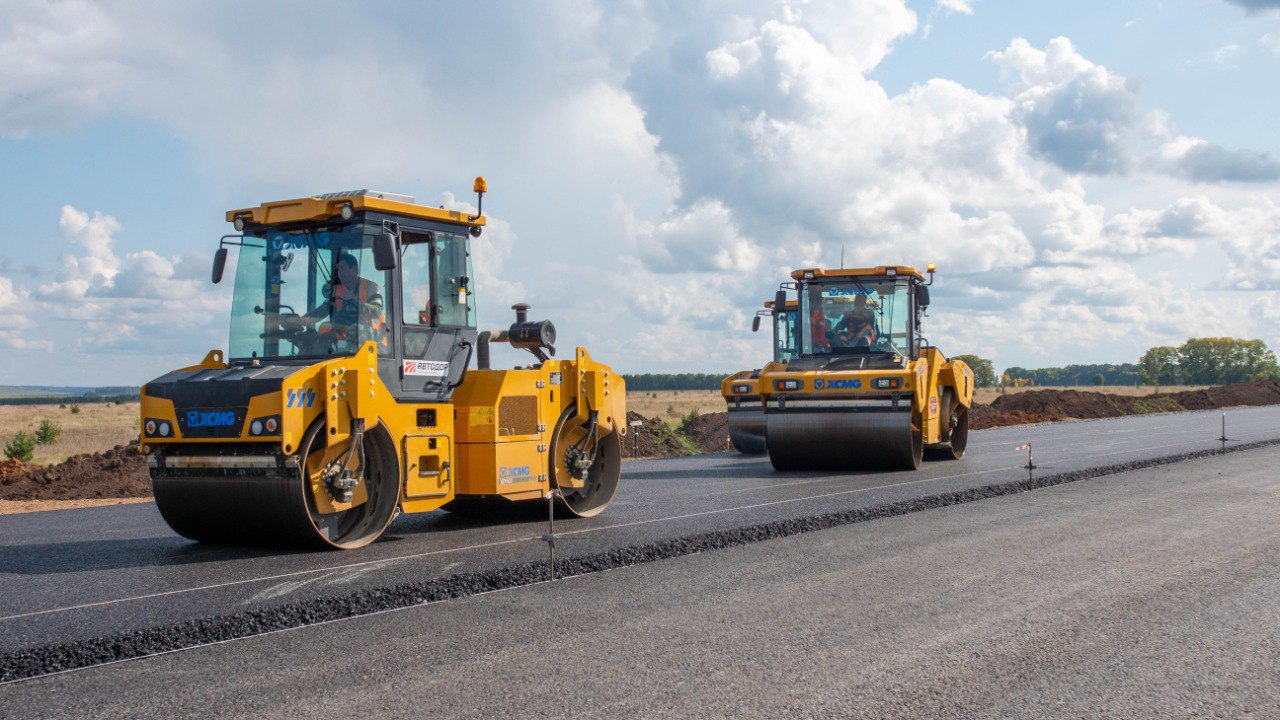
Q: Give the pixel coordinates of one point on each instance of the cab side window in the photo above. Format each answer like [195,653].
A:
[455,303]
[415,293]
[415,264]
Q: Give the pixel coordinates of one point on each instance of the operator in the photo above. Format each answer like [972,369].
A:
[819,329]
[857,328]
[350,300]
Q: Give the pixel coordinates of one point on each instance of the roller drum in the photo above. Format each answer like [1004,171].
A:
[746,430]
[850,438]
[274,507]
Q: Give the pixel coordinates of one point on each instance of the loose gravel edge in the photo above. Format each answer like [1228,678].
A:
[43,660]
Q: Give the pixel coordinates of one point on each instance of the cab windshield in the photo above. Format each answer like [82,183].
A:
[310,292]
[786,336]
[856,316]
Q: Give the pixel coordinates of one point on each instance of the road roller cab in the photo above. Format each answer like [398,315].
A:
[741,390]
[865,389]
[346,393]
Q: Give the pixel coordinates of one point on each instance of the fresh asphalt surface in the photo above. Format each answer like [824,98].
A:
[1150,593]
[77,574]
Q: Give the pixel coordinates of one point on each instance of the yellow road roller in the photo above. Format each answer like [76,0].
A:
[741,390]
[866,389]
[347,396]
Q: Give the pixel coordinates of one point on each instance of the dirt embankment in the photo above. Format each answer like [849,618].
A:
[1049,405]
[705,433]
[120,472]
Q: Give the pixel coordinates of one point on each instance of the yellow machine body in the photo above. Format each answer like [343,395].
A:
[826,412]
[231,465]
[741,390]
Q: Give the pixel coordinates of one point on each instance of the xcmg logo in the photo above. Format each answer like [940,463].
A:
[216,418]
[839,384]
[508,474]
[300,398]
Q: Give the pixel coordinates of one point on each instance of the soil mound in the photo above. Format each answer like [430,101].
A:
[117,473]
[710,432]
[1035,406]
[655,439]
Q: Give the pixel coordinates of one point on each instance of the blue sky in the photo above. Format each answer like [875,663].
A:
[1092,178]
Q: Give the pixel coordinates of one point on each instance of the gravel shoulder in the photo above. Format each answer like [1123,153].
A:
[1148,594]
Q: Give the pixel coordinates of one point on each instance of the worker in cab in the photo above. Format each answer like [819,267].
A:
[351,302]
[857,328]
[820,331]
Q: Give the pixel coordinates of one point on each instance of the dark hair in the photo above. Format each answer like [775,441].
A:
[346,258]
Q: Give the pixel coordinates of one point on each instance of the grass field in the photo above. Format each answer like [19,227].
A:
[101,426]
[97,427]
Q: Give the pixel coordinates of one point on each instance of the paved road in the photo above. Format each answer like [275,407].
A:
[85,573]
[1153,593]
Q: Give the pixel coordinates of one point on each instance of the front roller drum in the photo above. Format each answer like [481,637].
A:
[839,439]
[278,508]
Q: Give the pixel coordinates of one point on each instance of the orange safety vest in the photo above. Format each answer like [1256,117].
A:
[338,298]
[818,327]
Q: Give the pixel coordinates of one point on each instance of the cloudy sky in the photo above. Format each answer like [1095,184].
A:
[1092,178]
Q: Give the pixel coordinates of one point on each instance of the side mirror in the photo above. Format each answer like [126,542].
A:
[922,295]
[755,324]
[384,251]
[780,301]
[219,264]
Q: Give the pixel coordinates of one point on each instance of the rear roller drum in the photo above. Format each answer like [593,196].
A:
[957,432]
[578,450]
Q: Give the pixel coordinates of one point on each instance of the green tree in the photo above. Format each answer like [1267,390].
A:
[48,432]
[1159,366]
[1099,379]
[21,447]
[984,373]
[1216,361]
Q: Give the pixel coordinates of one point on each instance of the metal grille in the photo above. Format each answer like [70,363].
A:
[518,415]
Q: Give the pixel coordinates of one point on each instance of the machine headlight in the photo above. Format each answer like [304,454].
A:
[155,427]
[788,384]
[238,223]
[887,383]
[347,211]
[265,425]
[742,389]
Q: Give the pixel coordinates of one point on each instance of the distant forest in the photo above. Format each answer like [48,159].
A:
[1122,374]
[675,381]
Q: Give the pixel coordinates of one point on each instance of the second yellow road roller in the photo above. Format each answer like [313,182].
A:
[866,389]
[741,390]
[346,395]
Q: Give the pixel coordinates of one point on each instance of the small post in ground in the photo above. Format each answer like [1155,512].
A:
[1223,438]
[1030,466]
[635,432]
[550,537]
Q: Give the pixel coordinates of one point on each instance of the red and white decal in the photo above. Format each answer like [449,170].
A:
[427,368]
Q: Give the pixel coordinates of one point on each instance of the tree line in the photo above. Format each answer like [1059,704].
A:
[1209,361]
[675,381]
[1198,361]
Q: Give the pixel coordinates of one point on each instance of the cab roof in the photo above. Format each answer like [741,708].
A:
[808,273]
[329,206]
